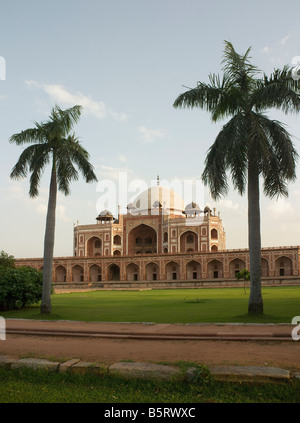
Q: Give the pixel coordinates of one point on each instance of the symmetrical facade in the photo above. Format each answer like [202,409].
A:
[161,243]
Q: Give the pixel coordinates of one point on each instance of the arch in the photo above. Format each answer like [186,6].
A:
[283,266]
[166,236]
[94,247]
[152,272]
[236,266]
[214,234]
[77,273]
[117,253]
[117,240]
[166,250]
[193,270]
[214,248]
[132,272]
[172,271]
[264,267]
[113,272]
[95,273]
[142,238]
[188,241]
[60,274]
[215,269]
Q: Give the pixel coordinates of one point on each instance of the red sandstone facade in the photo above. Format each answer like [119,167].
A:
[161,244]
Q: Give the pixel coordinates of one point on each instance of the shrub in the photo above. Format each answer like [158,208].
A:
[6,260]
[19,287]
[200,375]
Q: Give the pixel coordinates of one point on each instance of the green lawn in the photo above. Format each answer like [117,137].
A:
[31,386]
[281,304]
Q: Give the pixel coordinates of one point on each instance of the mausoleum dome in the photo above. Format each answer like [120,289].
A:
[158,198]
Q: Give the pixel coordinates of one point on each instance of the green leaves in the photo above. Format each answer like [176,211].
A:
[52,143]
[250,137]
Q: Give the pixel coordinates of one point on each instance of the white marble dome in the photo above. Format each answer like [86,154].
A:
[156,198]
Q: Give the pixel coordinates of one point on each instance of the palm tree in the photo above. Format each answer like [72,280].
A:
[250,145]
[52,143]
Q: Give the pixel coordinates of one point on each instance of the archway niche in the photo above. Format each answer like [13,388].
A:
[77,274]
[94,247]
[142,239]
[113,273]
[152,272]
[264,267]
[188,242]
[215,269]
[193,270]
[60,274]
[172,271]
[283,266]
[95,273]
[236,266]
[132,272]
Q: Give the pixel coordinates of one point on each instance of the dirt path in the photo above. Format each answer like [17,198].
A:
[284,354]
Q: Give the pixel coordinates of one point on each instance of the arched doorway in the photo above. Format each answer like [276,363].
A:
[113,272]
[142,239]
[283,266]
[94,247]
[264,267]
[193,270]
[236,266]
[117,240]
[95,273]
[60,274]
[132,272]
[77,273]
[172,271]
[152,272]
[215,269]
[214,234]
[188,242]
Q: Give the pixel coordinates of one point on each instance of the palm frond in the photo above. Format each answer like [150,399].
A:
[279,90]
[275,154]
[29,136]
[237,68]
[20,170]
[62,121]
[80,156]
[217,97]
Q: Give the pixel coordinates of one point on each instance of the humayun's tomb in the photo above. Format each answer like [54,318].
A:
[161,243]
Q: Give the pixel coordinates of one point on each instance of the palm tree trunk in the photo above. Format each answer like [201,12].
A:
[255,304]
[49,244]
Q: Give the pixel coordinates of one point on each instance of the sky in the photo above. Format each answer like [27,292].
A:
[126,62]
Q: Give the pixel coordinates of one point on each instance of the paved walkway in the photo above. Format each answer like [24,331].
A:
[159,329]
[112,342]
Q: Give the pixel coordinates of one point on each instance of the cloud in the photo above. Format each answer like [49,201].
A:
[18,194]
[283,40]
[149,135]
[122,158]
[61,95]
[266,49]
[113,173]
[281,209]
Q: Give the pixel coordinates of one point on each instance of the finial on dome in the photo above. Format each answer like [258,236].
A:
[157,180]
